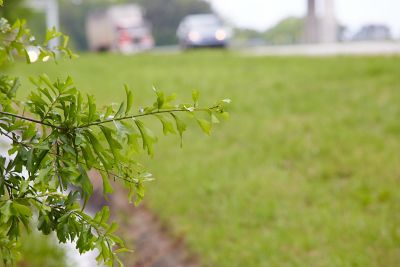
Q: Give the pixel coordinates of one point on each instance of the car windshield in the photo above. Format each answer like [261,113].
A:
[205,21]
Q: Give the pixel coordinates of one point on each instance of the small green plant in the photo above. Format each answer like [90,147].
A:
[58,135]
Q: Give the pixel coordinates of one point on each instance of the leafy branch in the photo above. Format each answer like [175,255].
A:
[60,137]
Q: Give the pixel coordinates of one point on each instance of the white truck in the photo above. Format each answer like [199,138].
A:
[120,28]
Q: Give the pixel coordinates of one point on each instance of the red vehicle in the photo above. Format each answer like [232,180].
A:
[120,28]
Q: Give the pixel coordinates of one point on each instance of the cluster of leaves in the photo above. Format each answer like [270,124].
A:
[57,136]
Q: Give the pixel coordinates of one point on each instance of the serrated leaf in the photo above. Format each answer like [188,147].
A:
[148,137]
[139,193]
[113,143]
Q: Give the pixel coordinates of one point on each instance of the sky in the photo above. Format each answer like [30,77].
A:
[262,14]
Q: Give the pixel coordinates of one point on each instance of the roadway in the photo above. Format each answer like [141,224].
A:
[334,49]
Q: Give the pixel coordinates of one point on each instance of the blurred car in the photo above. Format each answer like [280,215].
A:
[202,30]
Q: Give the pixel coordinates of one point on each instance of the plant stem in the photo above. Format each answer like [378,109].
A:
[141,115]
[29,119]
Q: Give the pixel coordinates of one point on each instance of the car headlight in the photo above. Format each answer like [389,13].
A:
[194,36]
[220,35]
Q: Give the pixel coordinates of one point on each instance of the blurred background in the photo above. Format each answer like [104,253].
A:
[307,169]
[154,23]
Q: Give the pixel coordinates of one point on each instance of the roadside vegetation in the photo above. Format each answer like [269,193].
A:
[306,173]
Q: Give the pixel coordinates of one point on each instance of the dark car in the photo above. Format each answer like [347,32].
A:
[202,30]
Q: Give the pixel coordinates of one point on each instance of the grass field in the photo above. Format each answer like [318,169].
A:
[305,173]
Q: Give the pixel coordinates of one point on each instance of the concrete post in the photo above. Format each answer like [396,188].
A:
[329,25]
[52,19]
[311,24]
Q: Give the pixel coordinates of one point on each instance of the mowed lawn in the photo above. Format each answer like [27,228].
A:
[305,173]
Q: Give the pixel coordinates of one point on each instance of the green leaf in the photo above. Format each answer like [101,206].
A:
[30,162]
[120,250]
[148,137]
[195,97]
[160,98]
[88,156]
[27,57]
[205,126]
[98,149]
[140,190]
[180,126]
[129,100]
[65,41]
[214,119]
[113,143]
[16,84]
[44,223]
[105,215]
[92,108]
[113,227]
[84,183]
[107,188]
[168,126]
[116,239]
[225,115]
[44,78]
[5,211]
[22,209]
[120,110]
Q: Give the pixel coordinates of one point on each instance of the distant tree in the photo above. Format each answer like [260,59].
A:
[287,31]
[73,19]
[248,36]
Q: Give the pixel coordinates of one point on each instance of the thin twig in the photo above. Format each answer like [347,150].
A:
[29,119]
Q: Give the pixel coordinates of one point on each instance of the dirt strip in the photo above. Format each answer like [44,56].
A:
[153,243]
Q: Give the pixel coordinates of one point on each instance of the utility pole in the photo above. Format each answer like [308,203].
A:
[311,24]
[52,20]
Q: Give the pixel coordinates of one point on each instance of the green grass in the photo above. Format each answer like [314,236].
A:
[305,173]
